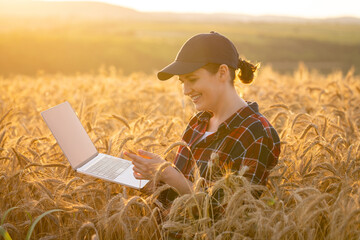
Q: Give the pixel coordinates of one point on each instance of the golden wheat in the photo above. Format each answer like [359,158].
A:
[313,192]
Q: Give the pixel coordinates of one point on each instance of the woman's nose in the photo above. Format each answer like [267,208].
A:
[186,88]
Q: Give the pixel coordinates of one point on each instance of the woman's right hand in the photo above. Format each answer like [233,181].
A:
[146,164]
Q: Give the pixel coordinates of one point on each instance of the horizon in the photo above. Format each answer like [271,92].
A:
[310,8]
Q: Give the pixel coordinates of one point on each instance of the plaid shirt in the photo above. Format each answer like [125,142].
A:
[245,139]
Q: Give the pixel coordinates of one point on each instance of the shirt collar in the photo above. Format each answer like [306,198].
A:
[234,120]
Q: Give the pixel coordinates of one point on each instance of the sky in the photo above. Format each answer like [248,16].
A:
[300,8]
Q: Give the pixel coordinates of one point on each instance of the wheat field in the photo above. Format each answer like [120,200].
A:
[313,192]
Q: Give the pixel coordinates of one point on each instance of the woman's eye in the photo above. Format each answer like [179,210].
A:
[191,80]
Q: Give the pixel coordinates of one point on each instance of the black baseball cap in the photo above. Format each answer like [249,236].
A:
[200,50]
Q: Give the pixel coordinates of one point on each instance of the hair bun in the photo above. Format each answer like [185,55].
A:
[247,71]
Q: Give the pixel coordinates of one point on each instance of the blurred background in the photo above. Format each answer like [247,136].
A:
[72,37]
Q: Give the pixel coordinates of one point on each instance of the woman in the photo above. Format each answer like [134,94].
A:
[226,124]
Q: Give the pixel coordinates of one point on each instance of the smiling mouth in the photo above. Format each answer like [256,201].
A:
[195,98]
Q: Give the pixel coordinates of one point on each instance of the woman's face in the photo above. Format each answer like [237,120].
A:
[203,88]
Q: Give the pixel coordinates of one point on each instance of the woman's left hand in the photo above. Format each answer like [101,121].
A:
[146,164]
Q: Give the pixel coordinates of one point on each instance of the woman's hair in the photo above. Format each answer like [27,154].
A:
[246,74]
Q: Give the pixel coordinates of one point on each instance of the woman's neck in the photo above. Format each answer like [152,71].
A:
[229,103]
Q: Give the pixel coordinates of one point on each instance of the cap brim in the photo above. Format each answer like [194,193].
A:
[178,68]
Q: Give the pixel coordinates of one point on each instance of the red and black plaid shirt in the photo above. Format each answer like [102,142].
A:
[245,139]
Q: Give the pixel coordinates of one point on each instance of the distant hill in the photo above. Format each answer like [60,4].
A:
[104,11]
[81,10]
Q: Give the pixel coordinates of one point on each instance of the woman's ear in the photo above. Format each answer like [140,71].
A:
[224,72]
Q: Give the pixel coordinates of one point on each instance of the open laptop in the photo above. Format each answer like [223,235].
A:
[81,152]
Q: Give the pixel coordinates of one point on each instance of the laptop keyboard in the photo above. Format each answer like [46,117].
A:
[108,167]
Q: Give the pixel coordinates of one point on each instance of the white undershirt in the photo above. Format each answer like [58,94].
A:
[204,136]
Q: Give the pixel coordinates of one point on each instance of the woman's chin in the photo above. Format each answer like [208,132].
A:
[199,107]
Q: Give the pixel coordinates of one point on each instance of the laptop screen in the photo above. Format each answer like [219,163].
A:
[70,134]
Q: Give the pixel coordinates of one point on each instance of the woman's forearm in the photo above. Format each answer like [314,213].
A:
[177,180]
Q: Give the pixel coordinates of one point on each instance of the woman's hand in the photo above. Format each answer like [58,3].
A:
[146,164]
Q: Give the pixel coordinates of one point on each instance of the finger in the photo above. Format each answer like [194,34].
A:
[138,176]
[139,170]
[135,157]
[147,154]
[139,164]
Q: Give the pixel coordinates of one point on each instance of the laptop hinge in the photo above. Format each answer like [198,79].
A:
[87,160]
